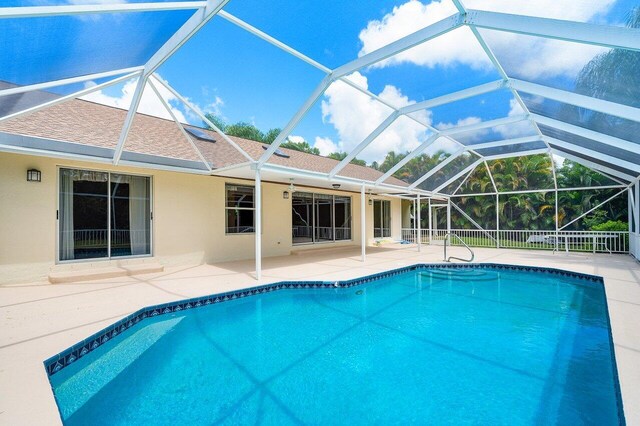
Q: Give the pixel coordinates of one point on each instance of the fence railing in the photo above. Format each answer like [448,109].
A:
[584,241]
[322,232]
[381,232]
[96,238]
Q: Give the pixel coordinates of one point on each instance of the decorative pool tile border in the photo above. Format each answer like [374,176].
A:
[77,351]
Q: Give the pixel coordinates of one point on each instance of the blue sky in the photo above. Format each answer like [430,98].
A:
[227,71]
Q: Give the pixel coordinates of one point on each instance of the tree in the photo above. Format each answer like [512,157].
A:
[302,146]
[220,124]
[271,135]
[342,155]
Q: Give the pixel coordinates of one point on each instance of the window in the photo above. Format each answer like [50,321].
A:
[381,218]
[103,215]
[320,218]
[239,209]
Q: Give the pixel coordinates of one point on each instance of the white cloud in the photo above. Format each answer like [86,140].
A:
[529,57]
[461,122]
[325,145]
[355,115]
[149,103]
[516,130]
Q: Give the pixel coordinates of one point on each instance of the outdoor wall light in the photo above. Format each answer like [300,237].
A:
[370,202]
[34,175]
[336,186]
[285,195]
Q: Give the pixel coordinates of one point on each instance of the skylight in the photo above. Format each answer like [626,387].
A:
[199,134]
[277,152]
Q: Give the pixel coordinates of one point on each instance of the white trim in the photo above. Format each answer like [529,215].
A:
[594,208]
[83,9]
[362,145]
[504,142]
[579,32]
[439,166]
[71,80]
[298,116]
[410,156]
[484,125]
[184,33]
[363,228]
[516,154]
[563,96]
[430,32]
[458,175]
[70,96]
[131,113]
[204,118]
[586,133]
[594,154]
[180,127]
[272,40]
[591,165]
[455,96]
[532,191]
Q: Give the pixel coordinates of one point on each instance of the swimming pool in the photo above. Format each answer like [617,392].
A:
[485,344]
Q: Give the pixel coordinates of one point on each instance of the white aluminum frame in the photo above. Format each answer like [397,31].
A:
[583,33]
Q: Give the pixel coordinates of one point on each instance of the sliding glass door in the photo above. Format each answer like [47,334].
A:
[302,217]
[323,208]
[317,218]
[381,218]
[103,215]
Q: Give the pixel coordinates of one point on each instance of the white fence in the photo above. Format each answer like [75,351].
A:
[585,241]
[97,238]
[323,233]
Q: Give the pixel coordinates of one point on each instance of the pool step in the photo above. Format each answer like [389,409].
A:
[64,276]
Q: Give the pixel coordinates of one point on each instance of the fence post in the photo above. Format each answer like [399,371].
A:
[497,220]
[419,224]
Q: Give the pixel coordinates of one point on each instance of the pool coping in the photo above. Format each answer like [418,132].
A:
[71,354]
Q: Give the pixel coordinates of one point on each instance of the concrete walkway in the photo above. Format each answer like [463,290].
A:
[40,319]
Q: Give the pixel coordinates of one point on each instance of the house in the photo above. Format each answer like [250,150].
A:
[161,205]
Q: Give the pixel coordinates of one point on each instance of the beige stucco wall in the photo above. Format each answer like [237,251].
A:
[188,225]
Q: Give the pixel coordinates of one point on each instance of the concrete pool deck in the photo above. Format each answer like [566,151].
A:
[40,319]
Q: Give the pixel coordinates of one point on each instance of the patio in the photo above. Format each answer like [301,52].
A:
[41,319]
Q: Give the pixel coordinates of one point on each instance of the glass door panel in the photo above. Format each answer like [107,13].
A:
[83,214]
[343,218]
[323,206]
[130,215]
[302,217]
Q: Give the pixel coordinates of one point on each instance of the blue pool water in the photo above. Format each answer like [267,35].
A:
[438,346]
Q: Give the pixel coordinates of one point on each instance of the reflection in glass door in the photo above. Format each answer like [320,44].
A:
[323,207]
[130,211]
[302,217]
[381,218]
[84,214]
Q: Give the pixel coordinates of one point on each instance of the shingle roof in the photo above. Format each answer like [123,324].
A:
[93,124]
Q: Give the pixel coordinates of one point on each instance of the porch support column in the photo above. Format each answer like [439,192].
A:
[557,222]
[430,220]
[497,220]
[637,209]
[448,215]
[363,228]
[415,225]
[258,224]
[419,202]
